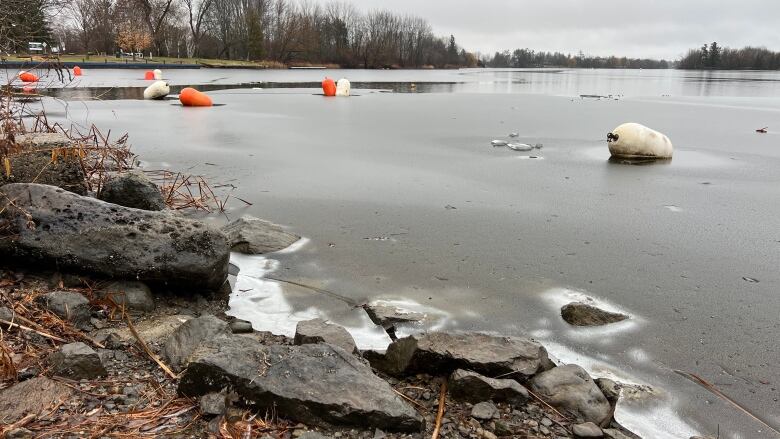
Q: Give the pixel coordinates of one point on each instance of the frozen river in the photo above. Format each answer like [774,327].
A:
[402,198]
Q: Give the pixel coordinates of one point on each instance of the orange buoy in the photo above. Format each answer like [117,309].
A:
[77,71]
[329,87]
[28,77]
[149,75]
[189,97]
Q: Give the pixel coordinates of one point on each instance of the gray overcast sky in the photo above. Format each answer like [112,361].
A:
[639,28]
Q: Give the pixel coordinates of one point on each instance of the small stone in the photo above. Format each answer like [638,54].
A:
[254,236]
[34,396]
[388,316]
[134,295]
[77,361]
[611,433]
[582,314]
[379,434]
[484,434]
[319,331]
[19,433]
[547,422]
[241,327]
[609,388]
[473,387]
[213,404]
[133,189]
[69,306]
[312,435]
[484,411]
[571,388]
[587,430]
[502,429]
[6,314]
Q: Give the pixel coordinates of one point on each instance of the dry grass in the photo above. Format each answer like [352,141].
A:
[100,156]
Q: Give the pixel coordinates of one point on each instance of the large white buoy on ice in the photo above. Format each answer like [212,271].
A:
[343,87]
[158,90]
[157,74]
[636,140]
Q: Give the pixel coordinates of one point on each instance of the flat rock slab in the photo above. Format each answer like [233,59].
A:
[33,396]
[189,336]
[49,226]
[254,236]
[310,383]
[570,388]
[582,314]
[388,316]
[472,387]
[440,353]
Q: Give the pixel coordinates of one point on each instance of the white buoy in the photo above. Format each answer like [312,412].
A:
[158,90]
[157,74]
[343,87]
[635,140]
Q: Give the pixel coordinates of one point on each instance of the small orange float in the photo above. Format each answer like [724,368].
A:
[77,71]
[189,97]
[28,77]
[329,87]
[149,75]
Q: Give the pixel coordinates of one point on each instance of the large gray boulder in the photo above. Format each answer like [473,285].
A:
[133,189]
[320,331]
[69,306]
[46,225]
[189,336]
[472,387]
[77,361]
[254,236]
[440,353]
[311,383]
[570,388]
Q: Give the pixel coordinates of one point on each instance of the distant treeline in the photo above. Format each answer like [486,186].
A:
[713,56]
[525,58]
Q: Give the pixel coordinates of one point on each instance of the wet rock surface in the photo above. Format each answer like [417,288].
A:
[443,352]
[570,388]
[388,316]
[473,387]
[67,305]
[49,226]
[254,236]
[189,336]
[77,361]
[582,314]
[320,331]
[133,189]
[309,383]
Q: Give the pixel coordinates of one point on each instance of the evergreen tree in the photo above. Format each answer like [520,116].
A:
[714,57]
[255,36]
[452,51]
[705,56]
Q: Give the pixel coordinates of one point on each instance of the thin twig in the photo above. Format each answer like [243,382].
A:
[440,413]
[146,348]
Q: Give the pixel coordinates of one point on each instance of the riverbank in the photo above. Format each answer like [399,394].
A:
[121,344]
